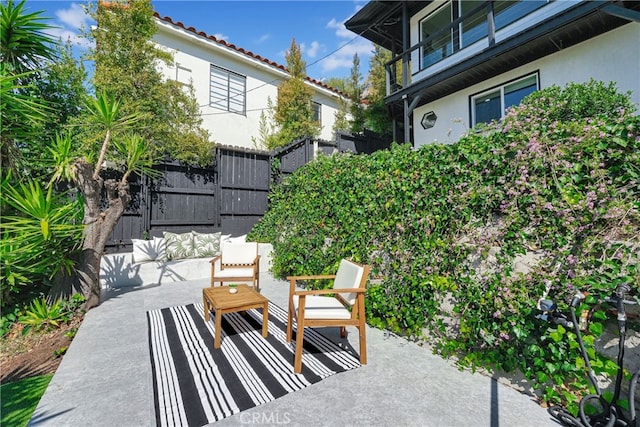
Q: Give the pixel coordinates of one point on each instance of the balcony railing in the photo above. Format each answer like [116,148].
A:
[475,29]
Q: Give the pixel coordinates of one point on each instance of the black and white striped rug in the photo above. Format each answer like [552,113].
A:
[194,384]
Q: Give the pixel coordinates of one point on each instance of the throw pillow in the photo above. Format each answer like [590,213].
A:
[144,250]
[206,244]
[178,246]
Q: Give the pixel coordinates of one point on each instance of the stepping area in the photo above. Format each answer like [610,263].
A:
[105,378]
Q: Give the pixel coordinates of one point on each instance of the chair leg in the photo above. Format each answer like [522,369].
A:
[289,323]
[343,332]
[297,361]
[362,336]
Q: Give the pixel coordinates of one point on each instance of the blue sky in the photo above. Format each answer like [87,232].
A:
[263,27]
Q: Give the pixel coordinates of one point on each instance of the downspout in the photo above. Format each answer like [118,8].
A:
[405,70]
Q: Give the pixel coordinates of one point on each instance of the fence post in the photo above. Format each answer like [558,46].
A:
[217,199]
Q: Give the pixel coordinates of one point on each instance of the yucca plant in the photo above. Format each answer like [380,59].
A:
[40,315]
[39,232]
[134,151]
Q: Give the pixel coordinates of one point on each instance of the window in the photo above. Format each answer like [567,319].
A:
[474,26]
[227,90]
[507,11]
[441,38]
[440,46]
[317,111]
[491,105]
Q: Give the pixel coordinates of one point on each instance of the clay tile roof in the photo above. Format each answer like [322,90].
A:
[241,50]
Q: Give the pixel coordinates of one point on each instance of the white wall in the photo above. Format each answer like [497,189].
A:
[614,56]
[194,53]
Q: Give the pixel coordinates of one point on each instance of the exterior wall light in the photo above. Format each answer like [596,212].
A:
[429,120]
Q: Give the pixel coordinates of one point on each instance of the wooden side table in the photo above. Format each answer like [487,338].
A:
[222,302]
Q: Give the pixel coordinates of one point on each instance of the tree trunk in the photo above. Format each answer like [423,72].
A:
[99,225]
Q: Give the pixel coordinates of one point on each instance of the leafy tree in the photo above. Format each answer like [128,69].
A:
[126,65]
[54,88]
[131,154]
[293,113]
[341,120]
[62,84]
[135,118]
[40,227]
[366,108]
[340,83]
[355,90]
[24,48]
[377,116]
[266,128]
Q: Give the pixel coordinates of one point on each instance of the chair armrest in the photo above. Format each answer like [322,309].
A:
[319,276]
[294,279]
[214,259]
[330,291]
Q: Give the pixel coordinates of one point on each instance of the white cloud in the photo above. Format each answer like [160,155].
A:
[341,30]
[69,35]
[349,44]
[221,36]
[75,17]
[263,38]
[69,23]
[311,51]
[344,57]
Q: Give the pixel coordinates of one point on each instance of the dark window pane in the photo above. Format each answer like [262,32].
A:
[488,107]
[515,92]
[474,27]
[441,46]
[506,12]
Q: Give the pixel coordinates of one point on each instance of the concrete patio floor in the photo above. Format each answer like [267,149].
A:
[105,378]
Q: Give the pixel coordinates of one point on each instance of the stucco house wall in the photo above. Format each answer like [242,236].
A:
[194,53]
[613,56]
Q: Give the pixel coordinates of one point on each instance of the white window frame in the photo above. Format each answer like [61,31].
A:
[501,89]
[227,90]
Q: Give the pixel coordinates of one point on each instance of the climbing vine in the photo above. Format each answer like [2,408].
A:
[465,238]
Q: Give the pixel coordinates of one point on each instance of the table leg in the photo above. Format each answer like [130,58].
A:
[265,320]
[206,307]
[216,341]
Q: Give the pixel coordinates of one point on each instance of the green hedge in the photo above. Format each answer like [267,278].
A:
[558,178]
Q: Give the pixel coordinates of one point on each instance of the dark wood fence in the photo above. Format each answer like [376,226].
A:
[229,196]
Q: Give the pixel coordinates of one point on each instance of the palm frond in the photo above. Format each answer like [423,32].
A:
[137,155]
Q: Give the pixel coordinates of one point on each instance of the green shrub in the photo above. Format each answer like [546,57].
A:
[39,233]
[40,315]
[558,179]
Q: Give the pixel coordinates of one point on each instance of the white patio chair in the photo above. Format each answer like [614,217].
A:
[237,262]
[342,305]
